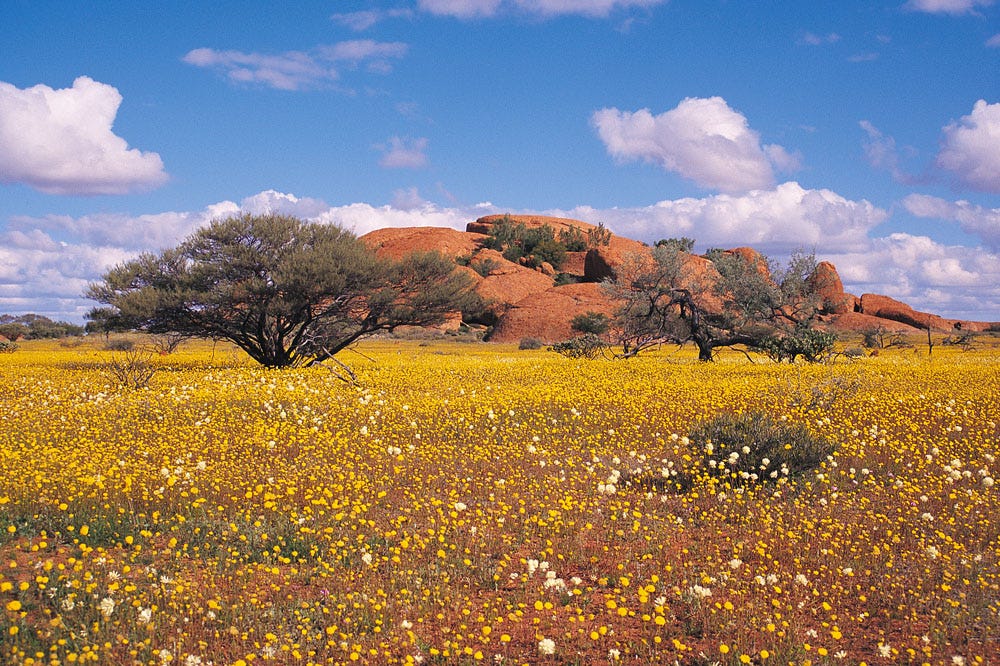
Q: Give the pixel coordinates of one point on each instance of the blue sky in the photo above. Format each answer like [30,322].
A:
[866,131]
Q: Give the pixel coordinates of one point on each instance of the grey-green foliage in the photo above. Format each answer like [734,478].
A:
[587,345]
[287,292]
[753,447]
[519,243]
[597,323]
[730,301]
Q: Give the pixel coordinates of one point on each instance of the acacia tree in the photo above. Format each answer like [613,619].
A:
[288,292]
[720,300]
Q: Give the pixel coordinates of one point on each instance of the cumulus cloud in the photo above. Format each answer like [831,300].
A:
[954,7]
[702,139]
[976,220]
[46,263]
[468,9]
[61,141]
[298,70]
[403,153]
[953,281]
[971,148]
[775,221]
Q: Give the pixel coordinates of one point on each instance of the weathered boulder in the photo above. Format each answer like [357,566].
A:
[485,224]
[856,322]
[605,261]
[574,264]
[751,257]
[507,283]
[885,307]
[825,281]
[548,315]
[397,242]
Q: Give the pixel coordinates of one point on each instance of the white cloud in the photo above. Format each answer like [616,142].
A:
[812,39]
[271,201]
[46,263]
[468,9]
[297,70]
[358,50]
[881,152]
[702,139]
[775,221]
[954,7]
[403,153]
[971,148]
[61,141]
[994,41]
[982,222]
[362,20]
[952,281]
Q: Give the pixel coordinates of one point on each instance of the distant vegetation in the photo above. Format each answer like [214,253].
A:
[35,327]
[537,245]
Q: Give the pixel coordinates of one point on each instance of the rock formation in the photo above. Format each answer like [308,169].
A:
[541,303]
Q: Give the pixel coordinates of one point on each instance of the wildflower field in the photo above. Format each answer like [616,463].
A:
[472,503]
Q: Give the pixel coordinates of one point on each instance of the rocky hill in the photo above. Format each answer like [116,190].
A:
[541,301]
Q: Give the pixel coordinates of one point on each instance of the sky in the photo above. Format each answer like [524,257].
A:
[867,132]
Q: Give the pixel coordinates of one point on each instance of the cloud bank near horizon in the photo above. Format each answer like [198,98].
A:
[47,262]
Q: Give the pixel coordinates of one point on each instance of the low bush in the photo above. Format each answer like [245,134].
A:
[119,345]
[587,345]
[7,347]
[131,369]
[530,343]
[485,266]
[753,448]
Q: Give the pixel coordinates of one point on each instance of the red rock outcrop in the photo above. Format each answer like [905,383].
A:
[508,283]
[604,261]
[485,224]
[398,242]
[856,321]
[526,304]
[548,315]
[885,307]
[825,281]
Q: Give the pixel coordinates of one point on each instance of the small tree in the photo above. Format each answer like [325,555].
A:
[287,292]
[677,297]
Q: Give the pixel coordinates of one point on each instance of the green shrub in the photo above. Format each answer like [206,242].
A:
[485,266]
[573,239]
[530,343]
[811,344]
[587,345]
[515,241]
[7,347]
[753,447]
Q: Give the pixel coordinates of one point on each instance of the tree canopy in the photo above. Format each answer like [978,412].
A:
[288,292]
[720,300]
